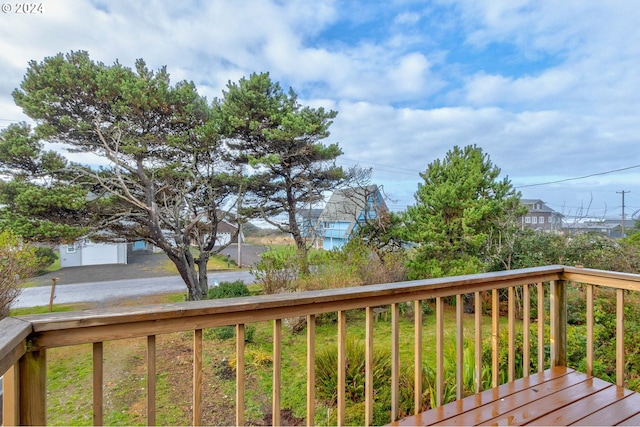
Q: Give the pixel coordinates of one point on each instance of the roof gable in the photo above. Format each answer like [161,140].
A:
[347,205]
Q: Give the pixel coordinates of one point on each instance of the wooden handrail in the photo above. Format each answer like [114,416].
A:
[25,339]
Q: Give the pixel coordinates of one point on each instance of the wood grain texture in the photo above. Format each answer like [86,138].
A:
[556,397]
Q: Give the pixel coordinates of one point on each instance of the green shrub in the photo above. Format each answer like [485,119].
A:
[46,256]
[277,270]
[228,332]
[327,374]
[229,290]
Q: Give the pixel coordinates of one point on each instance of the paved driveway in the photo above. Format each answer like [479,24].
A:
[140,266]
[104,294]
[146,274]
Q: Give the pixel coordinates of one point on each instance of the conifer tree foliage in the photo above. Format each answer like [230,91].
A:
[40,203]
[461,206]
[164,179]
[270,130]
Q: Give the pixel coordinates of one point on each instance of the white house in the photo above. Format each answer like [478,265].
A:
[85,252]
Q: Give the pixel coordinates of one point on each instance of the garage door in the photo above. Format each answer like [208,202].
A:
[99,253]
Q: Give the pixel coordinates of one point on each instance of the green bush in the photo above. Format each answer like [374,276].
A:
[224,333]
[229,290]
[277,270]
[327,375]
[46,256]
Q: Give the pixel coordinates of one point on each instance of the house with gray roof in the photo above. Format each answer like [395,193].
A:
[540,217]
[346,210]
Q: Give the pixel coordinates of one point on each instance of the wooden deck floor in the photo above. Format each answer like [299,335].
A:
[558,396]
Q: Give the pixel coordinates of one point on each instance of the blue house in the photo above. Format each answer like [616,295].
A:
[345,211]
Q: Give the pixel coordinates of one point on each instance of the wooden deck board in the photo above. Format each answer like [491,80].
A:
[458,407]
[551,404]
[615,413]
[558,396]
[633,421]
[584,407]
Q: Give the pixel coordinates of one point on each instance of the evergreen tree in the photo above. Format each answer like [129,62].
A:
[268,129]
[165,181]
[461,206]
[40,203]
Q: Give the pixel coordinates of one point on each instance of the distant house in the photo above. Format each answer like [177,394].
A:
[345,211]
[607,227]
[540,217]
[310,228]
[86,252]
[225,233]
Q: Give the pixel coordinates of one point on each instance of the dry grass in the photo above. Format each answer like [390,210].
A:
[271,240]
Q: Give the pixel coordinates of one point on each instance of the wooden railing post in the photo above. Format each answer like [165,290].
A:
[395,361]
[311,369]
[558,323]
[98,380]
[10,392]
[240,374]
[151,380]
[342,370]
[33,388]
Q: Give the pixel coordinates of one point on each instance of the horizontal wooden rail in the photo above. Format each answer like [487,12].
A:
[64,329]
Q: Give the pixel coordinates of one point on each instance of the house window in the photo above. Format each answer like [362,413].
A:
[534,220]
[527,220]
[71,248]
[541,220]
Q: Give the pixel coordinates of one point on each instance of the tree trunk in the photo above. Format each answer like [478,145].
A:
[194,277]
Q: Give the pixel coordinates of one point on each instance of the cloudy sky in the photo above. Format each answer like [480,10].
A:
[550,90]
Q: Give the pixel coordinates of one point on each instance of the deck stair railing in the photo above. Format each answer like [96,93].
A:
[24,341]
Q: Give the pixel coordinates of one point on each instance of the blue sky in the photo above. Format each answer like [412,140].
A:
[550,90]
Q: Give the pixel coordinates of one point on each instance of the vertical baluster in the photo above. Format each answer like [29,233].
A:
[98,384]
[459,346]
[620,337]
[277,371]
[526,330]
[342,362]
[368,370]
[10,408]
[417,357]
[151,380]
[511,359]
[395,361]
[495,317]
[439,350]
[540,327]
[197,377]
[311,369]
[240,374]
[478,343]
[589,329]
[32,382]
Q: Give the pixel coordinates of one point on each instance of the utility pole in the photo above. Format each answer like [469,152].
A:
[238,219]
[623,193]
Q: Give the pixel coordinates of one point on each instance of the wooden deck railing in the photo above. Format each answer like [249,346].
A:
[24,341]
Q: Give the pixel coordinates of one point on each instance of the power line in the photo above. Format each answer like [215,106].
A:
[579,177]
[381,165]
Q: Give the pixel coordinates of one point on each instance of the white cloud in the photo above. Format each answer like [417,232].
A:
[548,89]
